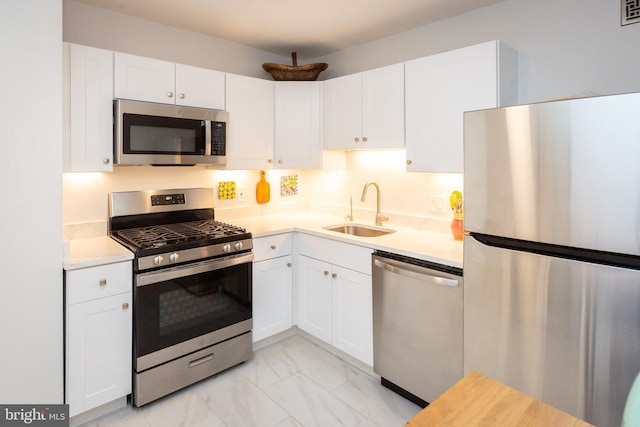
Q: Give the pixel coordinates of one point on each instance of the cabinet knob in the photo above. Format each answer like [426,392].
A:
[125,305]
[170,94]
[181,96]
[288,264]
[326,273]
[356,139]
[273,246]
[103,282]
[106,160]
[280,161]
[364,139]
[409,162]
[270,160]
[334,275]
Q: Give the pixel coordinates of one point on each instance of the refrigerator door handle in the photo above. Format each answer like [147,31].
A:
[415,272]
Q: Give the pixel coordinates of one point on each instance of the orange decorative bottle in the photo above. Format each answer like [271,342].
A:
[457,226]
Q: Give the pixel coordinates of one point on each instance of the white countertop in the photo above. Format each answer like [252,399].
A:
[94,251]
[435,247]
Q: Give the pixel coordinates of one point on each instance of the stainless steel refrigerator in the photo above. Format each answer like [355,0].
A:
[552,253]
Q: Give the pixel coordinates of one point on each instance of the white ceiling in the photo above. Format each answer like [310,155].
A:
[311,28]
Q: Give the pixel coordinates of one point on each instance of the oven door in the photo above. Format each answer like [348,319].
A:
[180,310]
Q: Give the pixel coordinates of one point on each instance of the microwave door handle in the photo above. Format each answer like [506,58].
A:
[207,137]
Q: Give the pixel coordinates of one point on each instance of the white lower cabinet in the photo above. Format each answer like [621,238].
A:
[98,336]
[335,301]
[272,285]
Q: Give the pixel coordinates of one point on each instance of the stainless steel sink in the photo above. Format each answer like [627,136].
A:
[359,230]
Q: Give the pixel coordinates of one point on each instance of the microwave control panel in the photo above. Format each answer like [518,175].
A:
[218,138]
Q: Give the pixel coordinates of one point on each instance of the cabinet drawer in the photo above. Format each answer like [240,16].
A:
[271,246]
[350,256]
[98,282]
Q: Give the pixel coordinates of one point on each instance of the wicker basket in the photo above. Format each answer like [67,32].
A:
[294,72]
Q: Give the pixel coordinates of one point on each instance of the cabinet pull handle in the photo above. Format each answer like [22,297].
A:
[170,94]
[106,160]
[273,246]
[334,275]
[125,305]
[270,161]
[280,161]
[103,282]
[182,96]
[409,162]
[356,139]
[364,139]
[326,273]
[288,264]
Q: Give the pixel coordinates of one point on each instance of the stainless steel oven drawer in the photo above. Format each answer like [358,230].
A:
[172,376]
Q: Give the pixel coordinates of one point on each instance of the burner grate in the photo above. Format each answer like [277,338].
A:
[172,234]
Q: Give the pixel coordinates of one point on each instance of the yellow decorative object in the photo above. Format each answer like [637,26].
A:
[288,185]
[226,190]
[457,224]
[263,190]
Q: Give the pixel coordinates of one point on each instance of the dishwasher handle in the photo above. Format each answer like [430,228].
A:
[415,272]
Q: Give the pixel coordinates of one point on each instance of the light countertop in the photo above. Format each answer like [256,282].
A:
[94,251]
[436,247]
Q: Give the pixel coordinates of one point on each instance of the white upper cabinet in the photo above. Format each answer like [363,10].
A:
[365,110]
[200,87]
[146,79]
[250,133]
[297,125]
[88,109]
[440,88]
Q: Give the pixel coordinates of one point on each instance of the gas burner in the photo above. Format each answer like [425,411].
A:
[177,234]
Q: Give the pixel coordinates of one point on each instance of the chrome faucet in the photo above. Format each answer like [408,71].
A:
[350,216]
[379,216]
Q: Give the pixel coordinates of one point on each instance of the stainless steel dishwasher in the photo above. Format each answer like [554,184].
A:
[417,325]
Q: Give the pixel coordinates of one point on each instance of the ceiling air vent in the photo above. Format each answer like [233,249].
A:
[629,11]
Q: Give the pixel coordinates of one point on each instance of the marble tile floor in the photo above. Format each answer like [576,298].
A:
[290,383]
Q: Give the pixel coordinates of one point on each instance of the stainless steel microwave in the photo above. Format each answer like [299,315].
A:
[147,133]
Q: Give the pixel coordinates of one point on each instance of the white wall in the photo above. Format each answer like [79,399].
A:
[101,28]
[31,364]
[566,47]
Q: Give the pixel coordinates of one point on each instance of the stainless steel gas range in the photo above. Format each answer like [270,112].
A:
[192,288]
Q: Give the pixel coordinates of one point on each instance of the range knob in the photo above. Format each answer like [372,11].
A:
[226,248]
[158,260]
[174,257]
[238,246]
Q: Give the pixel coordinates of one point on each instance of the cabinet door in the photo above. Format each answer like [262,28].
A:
[342,107]
[250,134]
[383,107]
[297,125]
[98,352]
[199,87]
[272,293]
[439,89]
[314,298]
[90,110]
[352,313]
[144,79]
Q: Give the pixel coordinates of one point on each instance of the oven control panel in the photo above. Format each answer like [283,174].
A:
[167,199]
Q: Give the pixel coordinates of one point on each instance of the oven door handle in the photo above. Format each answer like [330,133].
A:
[152,277]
